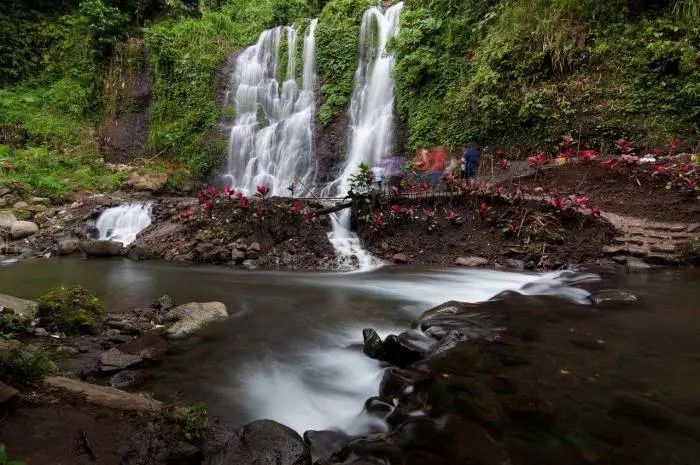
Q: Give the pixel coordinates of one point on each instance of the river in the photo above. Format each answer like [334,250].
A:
[284,352]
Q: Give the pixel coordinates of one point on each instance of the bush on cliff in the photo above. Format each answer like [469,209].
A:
[70,309]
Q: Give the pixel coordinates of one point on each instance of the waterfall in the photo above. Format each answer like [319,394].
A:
[123,223]
[371,122]
[271,141]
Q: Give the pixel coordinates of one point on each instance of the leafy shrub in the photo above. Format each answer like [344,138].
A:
[70,309]
[12,325]
[28,365]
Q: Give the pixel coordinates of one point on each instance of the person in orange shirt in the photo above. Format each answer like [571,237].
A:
[436,160]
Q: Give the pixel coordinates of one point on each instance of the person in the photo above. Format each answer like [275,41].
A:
[437,164]
[470,161]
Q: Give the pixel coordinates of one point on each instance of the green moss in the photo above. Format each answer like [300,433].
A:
[70,309]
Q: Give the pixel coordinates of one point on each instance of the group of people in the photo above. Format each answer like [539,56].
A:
[434,163]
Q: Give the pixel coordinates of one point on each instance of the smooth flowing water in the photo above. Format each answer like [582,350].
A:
[271,141]
[371,125]
[284,353]
[123,223]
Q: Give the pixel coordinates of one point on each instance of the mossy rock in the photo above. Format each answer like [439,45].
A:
[70,309]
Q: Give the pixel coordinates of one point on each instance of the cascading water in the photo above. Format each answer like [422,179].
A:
[271,141]
[371,122]
[123,223]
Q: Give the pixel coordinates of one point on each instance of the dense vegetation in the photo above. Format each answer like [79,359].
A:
[521,73]
[513,73]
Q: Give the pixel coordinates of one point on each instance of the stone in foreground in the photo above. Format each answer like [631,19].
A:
[190,317]
[262,442]
[105,396]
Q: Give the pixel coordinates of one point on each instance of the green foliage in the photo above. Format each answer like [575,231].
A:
[28,365]
[70,309]
[196,420]
[51,173]
[336,45]
[12,325]
[5,460]
[523,72]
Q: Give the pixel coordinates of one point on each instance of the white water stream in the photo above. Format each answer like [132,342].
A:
[123,223]
[371,125]
[271,141]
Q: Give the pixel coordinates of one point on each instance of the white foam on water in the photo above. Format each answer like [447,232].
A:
[351,256]
[123,223]
[326,387]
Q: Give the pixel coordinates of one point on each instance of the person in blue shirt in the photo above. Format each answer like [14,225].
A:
[470,160]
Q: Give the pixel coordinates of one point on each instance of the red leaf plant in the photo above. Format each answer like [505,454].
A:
[504,163]
[587,155]
[263,190]
[579,200]
[228,191]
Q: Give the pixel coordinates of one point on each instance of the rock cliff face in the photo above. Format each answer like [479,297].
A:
[127,98]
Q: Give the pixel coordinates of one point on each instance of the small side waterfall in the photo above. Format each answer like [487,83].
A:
[123,223]
[271,141]
[371,121]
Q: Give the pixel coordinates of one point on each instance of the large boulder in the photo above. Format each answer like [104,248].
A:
[25,308]
[101,248]
[22,229]
[147,182]
[105,396]
[188,318]
[262,442]
[7,219]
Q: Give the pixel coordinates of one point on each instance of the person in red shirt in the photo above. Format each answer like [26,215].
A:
[436,160]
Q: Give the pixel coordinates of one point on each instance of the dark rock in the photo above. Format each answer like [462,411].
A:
[448,342]
[612,295]
[588,343]
[528,409]
[376,406]
[184,453]
[67,245]
[8,397]
[654,415]
[502,384]
[101,248]
[90,231]
[262,442]
[204,249]
[127,378]
[323,445]
[238,256]
[399,352]
[396,381]
[471,444]
[163,303]
[140,253]
[115,359]
[375,448]
[372,344]
[120,338]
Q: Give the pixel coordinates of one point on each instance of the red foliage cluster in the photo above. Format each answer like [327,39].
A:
[540,160]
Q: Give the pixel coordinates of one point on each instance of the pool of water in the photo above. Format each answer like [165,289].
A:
[284,353]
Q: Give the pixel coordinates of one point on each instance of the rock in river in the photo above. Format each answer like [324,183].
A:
[262,442]
[471,261]
[7,219]
[115,359]
[188,318]
[102,248]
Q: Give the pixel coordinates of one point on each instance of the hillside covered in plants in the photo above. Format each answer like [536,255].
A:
[78,76]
